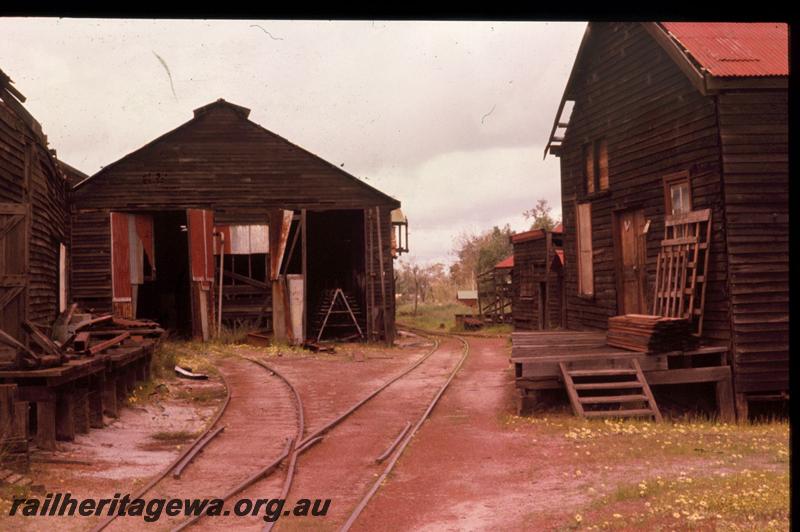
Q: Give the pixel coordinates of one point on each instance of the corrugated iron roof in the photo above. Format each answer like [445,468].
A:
[505,264]
[534,234]
[735,49]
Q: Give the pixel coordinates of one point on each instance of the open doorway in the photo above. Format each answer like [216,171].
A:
[164,295]
[335,260]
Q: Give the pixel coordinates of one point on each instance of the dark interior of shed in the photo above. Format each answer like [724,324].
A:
[335,259]
[165,298]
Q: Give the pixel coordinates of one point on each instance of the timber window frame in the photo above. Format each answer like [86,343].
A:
[681,183]
[594,162]
[583,245]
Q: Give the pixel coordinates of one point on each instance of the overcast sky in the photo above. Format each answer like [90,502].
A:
[451,118]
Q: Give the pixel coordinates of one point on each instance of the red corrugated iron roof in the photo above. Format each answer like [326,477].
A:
[735,49]
[534,234]
[505,264]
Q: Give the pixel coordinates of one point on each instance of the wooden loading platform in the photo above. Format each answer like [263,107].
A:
[552,359]
[72,398]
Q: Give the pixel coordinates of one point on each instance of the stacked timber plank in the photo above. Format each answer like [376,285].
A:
[646,333]
[73,335]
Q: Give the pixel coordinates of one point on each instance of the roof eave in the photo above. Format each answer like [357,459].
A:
[701,78]
[697,77]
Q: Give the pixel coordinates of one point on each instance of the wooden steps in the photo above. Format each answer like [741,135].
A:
[606,387]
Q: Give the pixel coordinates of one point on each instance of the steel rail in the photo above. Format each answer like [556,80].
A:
[315,436]
[293,450]
[390,465]
[193,448]
[394,444]
[290,450]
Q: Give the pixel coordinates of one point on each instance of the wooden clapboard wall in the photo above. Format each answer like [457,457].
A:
[655,122]
[220,161]
[531,259]
[31,181]
[755,156]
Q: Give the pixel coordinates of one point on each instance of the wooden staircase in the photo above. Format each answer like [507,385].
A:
[611,392]
[339,314]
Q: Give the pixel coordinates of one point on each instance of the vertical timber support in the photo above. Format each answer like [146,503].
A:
[382,275]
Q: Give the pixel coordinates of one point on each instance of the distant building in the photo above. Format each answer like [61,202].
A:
[468,297]
[537,279]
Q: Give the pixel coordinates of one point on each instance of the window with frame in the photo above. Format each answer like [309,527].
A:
[677,193]
[595,166]
[583,214]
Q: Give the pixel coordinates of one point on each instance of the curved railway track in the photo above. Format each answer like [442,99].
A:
[301,442]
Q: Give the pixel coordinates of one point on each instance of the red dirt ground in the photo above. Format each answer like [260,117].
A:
[468,468]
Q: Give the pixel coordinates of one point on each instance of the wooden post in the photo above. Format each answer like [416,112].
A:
[65,415]
[382,275]
[46,425]
[110,395]
[724,391]
[369,299]
[130,377]
[742,409]
[81,409]
[304,258]
[96,401]
[140,369]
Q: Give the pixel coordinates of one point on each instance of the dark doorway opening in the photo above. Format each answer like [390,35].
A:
[164,296]
[335,259]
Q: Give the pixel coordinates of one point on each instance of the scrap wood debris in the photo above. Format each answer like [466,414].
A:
[74,334]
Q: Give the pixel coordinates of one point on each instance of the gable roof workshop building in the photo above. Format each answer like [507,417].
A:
[288,227]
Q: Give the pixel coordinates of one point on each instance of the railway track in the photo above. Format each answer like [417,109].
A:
[300,442]
[395,450]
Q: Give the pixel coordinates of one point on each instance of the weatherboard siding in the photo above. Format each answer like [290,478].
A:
[655,123]
[755,154]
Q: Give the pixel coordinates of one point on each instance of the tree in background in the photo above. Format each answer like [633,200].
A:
[479,253]
[540,216]
[424,284]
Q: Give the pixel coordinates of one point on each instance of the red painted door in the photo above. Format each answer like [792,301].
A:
[200,223]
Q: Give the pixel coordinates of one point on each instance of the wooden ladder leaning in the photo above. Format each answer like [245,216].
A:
[607,388]
[344,308]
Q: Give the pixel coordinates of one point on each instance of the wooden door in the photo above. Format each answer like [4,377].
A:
[542,305]
[13,273]
[630,261]
[200,223]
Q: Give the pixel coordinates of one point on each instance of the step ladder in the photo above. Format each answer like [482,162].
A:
[619,392]
[337,310]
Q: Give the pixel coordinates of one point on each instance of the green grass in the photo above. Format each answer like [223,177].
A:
[693,473]
[177,436]
[442,317]
[743,500]
[699,438]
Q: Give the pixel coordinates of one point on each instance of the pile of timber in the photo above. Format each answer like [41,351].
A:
[73,335]
[654,334]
